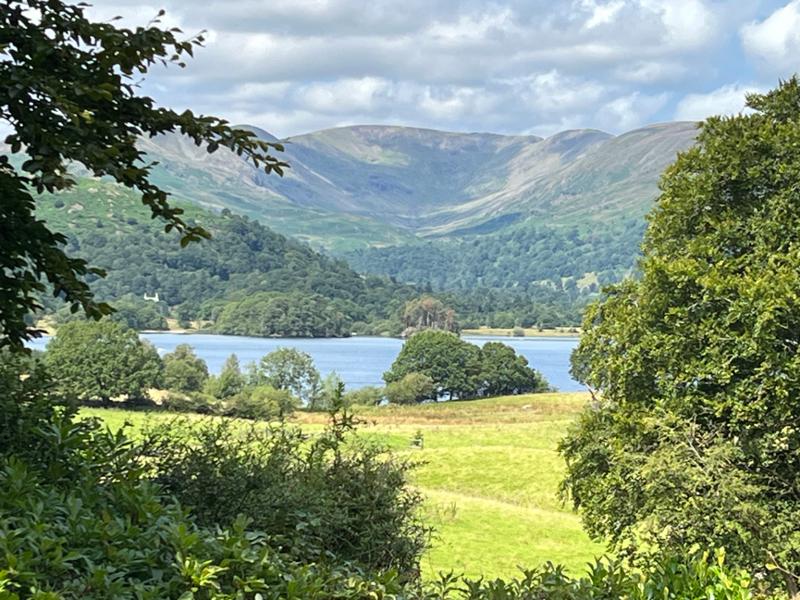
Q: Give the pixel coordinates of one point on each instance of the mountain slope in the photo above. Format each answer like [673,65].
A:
[360,186]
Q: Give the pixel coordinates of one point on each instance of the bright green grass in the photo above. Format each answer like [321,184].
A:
[490,473]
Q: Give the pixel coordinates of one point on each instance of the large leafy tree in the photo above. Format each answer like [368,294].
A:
[292,370]
[504,372]
[184,371]
[101,360]
[449,361]
[68,88]
[694,437]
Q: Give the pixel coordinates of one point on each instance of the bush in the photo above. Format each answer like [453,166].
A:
[691,576]
[412,388]
[192,402]
[262,402]
[370,395]
[336,498]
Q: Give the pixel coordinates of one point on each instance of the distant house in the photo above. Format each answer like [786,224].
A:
[152,298]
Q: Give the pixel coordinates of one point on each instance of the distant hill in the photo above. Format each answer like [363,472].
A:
[373,185]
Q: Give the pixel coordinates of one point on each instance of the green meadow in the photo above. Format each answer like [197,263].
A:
[490,472]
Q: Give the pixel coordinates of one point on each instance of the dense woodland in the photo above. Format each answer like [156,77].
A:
[523,258]
[249,280]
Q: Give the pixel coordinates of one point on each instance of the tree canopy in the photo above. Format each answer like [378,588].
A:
[694,437]
[69,93]
[101,360]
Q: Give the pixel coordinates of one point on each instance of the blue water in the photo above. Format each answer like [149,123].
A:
[359,361]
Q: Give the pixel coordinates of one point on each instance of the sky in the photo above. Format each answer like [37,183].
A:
[528,67]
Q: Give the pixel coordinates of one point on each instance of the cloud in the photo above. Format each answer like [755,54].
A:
[508,66]
[775,41]
[726,100]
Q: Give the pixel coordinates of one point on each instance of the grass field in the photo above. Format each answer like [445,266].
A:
[490,475]
[527,332]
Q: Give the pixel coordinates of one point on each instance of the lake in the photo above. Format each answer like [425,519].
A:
[359,361]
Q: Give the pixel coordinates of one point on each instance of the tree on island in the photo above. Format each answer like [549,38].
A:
[694,435]
[428,313]
[101,360]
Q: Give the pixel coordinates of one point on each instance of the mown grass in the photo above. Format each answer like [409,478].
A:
[490,473]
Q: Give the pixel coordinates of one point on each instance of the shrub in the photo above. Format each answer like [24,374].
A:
[335,498]
[370,395]
[192,402]
[262,402]
[412,388]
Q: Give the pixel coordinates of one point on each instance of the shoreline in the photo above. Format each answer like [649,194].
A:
[530,332]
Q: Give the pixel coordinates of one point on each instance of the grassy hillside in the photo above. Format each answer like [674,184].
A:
[376,185]
[490,472]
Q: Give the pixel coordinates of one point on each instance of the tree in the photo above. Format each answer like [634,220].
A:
[694,436]
[292,370]
[230,381]
[101,360]
[449,361]
[503,372]
[428,313]
[411,389]
[184,371]
[69,93]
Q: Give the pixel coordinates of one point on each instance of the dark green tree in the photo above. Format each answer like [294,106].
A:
[101,360]
[694,435]
[503,372]
[184,371]
[449,361]
[68,88]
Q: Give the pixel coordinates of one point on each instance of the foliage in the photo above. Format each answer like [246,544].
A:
[331,390]
[246,272]
[332,498]
[548,266]
[184,371]
[229,382]
[262,402]
[69,93]
[296,314]
[191,402]
[695,436]
[292,370]
[450,362]
[428,313]
[700,577]
[504,373]
[78,520]
[412,388]
[459,369]
[101,360]
[370,395]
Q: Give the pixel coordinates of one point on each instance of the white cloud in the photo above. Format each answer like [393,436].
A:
[601,14]
[726,100]
[508,66]
[775,41]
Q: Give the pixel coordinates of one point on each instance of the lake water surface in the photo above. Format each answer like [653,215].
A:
[359,361]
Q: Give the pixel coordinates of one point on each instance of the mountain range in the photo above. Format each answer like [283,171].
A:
[374,186]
